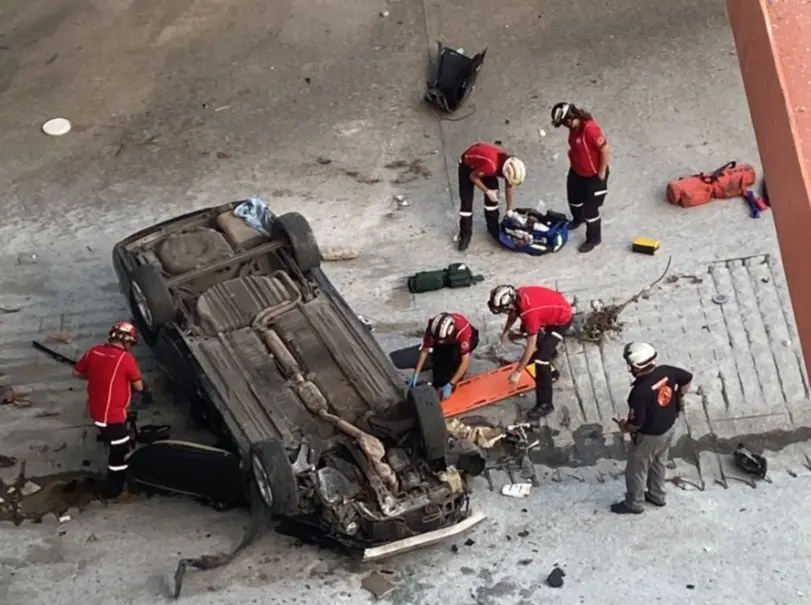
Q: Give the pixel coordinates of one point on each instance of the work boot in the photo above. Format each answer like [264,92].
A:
[573,224]
[540,410]
[464,242]
[621,508]
[587,246]
[651,500]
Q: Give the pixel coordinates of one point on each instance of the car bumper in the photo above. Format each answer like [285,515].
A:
[397,547]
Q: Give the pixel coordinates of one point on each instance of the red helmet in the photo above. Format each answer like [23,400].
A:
[125,332]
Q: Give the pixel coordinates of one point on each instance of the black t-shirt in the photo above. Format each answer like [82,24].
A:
[655,401]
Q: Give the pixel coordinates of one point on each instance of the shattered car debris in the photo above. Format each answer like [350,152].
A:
[276,364]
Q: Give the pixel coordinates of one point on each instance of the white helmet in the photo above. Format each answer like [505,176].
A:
[639,355]
[442,326]
[502,298]
[514,171]
[560,112]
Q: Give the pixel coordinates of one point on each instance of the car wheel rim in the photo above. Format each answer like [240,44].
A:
[141,305]
[262,482]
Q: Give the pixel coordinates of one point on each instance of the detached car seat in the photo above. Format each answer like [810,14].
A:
[454,77]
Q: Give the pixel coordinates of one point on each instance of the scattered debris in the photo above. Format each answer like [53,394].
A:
[60,336]
[516,490]
[690,586]
[555,578]
[749,462]
[409,171]
[7,461]
[27,258]
[384,14]
[30,488]
[605,318]
[221,108]
[523,533]
[454,548]
[470,542]
[64,518]
[401,200]
[542,132]
[481,436]
[56,127]
[378,585]
[524,561]
[363,180]
[339,253]
[8,396]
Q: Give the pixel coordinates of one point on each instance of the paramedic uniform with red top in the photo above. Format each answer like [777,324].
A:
[548,314]
[487,162]
[585,189]
[110,371]
[447,354]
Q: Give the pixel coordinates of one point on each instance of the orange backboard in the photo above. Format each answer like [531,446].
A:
[488,388]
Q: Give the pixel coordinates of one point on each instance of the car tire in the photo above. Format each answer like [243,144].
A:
[431,422]
[295,228]
[274,477]
[150,298]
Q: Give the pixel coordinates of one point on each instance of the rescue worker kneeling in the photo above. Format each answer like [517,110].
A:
[450,339]
[654,402]
[545,317]
[480,167]
[112,374]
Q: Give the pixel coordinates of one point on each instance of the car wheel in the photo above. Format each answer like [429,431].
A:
[151,299]
[431,422]
[274,477]
[293,227]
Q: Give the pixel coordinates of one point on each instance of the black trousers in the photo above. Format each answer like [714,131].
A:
[467,190]
[446,360]
[116,439]
[586,196]
[547,347]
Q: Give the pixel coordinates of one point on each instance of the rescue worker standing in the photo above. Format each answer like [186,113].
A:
[654,402]
[450,339]
[587,181]
[545,317]
[112,374]
[480,167]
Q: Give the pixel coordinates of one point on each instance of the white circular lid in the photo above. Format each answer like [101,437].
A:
[56,127]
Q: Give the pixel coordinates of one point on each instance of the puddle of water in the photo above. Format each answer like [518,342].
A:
[57,494]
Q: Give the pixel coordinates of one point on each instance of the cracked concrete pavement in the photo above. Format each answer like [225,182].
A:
[316,108]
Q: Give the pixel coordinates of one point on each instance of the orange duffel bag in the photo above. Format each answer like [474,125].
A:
[730,180]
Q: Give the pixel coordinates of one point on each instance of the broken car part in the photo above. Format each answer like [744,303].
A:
[453,79]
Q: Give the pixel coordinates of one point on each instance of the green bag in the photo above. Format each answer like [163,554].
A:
[457,275]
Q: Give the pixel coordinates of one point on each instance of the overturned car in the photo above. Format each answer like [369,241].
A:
[307,407]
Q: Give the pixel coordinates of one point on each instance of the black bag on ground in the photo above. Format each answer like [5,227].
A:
[457,275]
[749,462]
[453,79]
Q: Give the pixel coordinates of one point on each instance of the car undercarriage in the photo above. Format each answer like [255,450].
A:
[276,364]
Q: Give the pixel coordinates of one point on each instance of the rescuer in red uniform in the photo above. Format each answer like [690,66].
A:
[480,167]
[587,181]
[450,339]
[112,374]
[545,317]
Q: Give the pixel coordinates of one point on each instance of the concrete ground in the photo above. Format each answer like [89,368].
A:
[314,106]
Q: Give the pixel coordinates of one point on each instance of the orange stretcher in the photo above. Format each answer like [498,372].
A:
[487,388]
